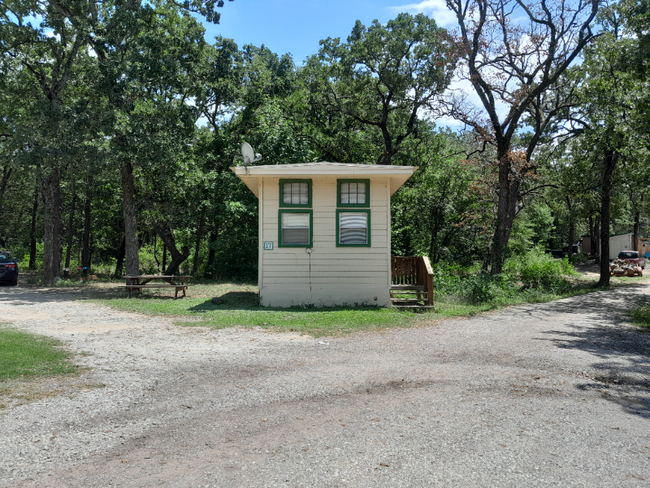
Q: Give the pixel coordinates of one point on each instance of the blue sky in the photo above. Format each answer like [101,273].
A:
[296,26]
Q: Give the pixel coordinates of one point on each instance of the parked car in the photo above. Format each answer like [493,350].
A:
[632,257]
[8,268]
[556,253]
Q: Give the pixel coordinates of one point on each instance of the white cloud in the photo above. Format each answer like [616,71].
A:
[436,9]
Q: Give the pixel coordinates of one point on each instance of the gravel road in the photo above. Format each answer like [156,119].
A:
[555,394]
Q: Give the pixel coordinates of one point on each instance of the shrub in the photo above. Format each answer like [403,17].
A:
[483,287]
[536,269]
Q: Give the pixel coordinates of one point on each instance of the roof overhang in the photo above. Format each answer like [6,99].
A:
[251,175]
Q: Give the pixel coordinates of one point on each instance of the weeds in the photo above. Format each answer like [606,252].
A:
[641,316]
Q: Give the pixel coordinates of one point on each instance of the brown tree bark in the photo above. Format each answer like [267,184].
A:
[66,267]
[167,236]
[596,241]
[120,260]
[32,232]
[85,255]
[6,174]
[610,161]
[572,227]
[635,231]
[197,247]
[506,211]
[131,247]
[51,194]
[164,258]
[209,267]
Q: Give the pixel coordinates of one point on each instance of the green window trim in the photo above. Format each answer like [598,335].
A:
[338,227]
[295,205]
[311,227]
[339,202]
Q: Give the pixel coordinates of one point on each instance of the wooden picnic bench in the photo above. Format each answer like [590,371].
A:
[138,282]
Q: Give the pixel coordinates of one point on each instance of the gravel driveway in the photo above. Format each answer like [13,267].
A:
[555,394]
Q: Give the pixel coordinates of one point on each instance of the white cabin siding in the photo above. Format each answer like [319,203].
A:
[335,275]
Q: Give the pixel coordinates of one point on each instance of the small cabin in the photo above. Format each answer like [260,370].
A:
[324,232]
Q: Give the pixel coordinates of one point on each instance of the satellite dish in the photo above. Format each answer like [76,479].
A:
[248,154]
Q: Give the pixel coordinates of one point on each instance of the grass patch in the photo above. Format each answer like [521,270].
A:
[221,305]
[28,355]
[240,308]
[641,316]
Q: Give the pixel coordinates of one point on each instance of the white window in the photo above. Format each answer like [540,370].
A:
[295,228]
[295,193]
[353,228]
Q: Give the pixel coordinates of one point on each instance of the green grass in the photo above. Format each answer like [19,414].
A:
[641,316]
[28,355]
[238,307]
[241,309]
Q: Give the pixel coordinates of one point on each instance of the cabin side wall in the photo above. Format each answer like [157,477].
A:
[328,275]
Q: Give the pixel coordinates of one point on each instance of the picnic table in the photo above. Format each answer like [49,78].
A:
[138,282]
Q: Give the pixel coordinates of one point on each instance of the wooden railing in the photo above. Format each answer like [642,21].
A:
[413,272]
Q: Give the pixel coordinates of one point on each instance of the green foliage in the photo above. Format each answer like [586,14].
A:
[381,79]
[535,269]
[530,275]
[533,227]
[236,247]
[23,354]
[437,213]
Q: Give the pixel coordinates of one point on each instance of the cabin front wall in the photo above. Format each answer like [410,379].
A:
[325,275]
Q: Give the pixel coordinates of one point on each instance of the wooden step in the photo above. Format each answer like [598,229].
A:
[415,306]
[407,287]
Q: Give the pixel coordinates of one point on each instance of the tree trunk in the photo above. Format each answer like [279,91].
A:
[208,273]
[66,267]
[197,247]
[131,247]
[635,232]
[52,227]
[596,243]
[167,236]
[32,233]
[572,228]
[590,225]
[85,255]
[506,211]
[611,158]
[120,260]
[6,173]
[164,258]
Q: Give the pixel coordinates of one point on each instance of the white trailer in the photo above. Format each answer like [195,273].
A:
[618,243]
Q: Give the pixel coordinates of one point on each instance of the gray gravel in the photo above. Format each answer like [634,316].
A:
[554,394]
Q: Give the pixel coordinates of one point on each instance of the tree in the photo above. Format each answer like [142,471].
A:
[384,77]
[46,57]
[610,117]
[512,53]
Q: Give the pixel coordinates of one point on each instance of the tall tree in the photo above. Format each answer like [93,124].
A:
[384,77]
[512,52]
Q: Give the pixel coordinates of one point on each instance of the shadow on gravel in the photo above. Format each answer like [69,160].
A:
[28,294]
[605,331]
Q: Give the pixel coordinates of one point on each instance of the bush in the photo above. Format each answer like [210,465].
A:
[535,269]
[535,273]
[483,287]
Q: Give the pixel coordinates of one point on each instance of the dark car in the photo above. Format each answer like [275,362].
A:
[8,268]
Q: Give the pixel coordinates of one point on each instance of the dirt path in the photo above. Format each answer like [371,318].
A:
[544,395]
